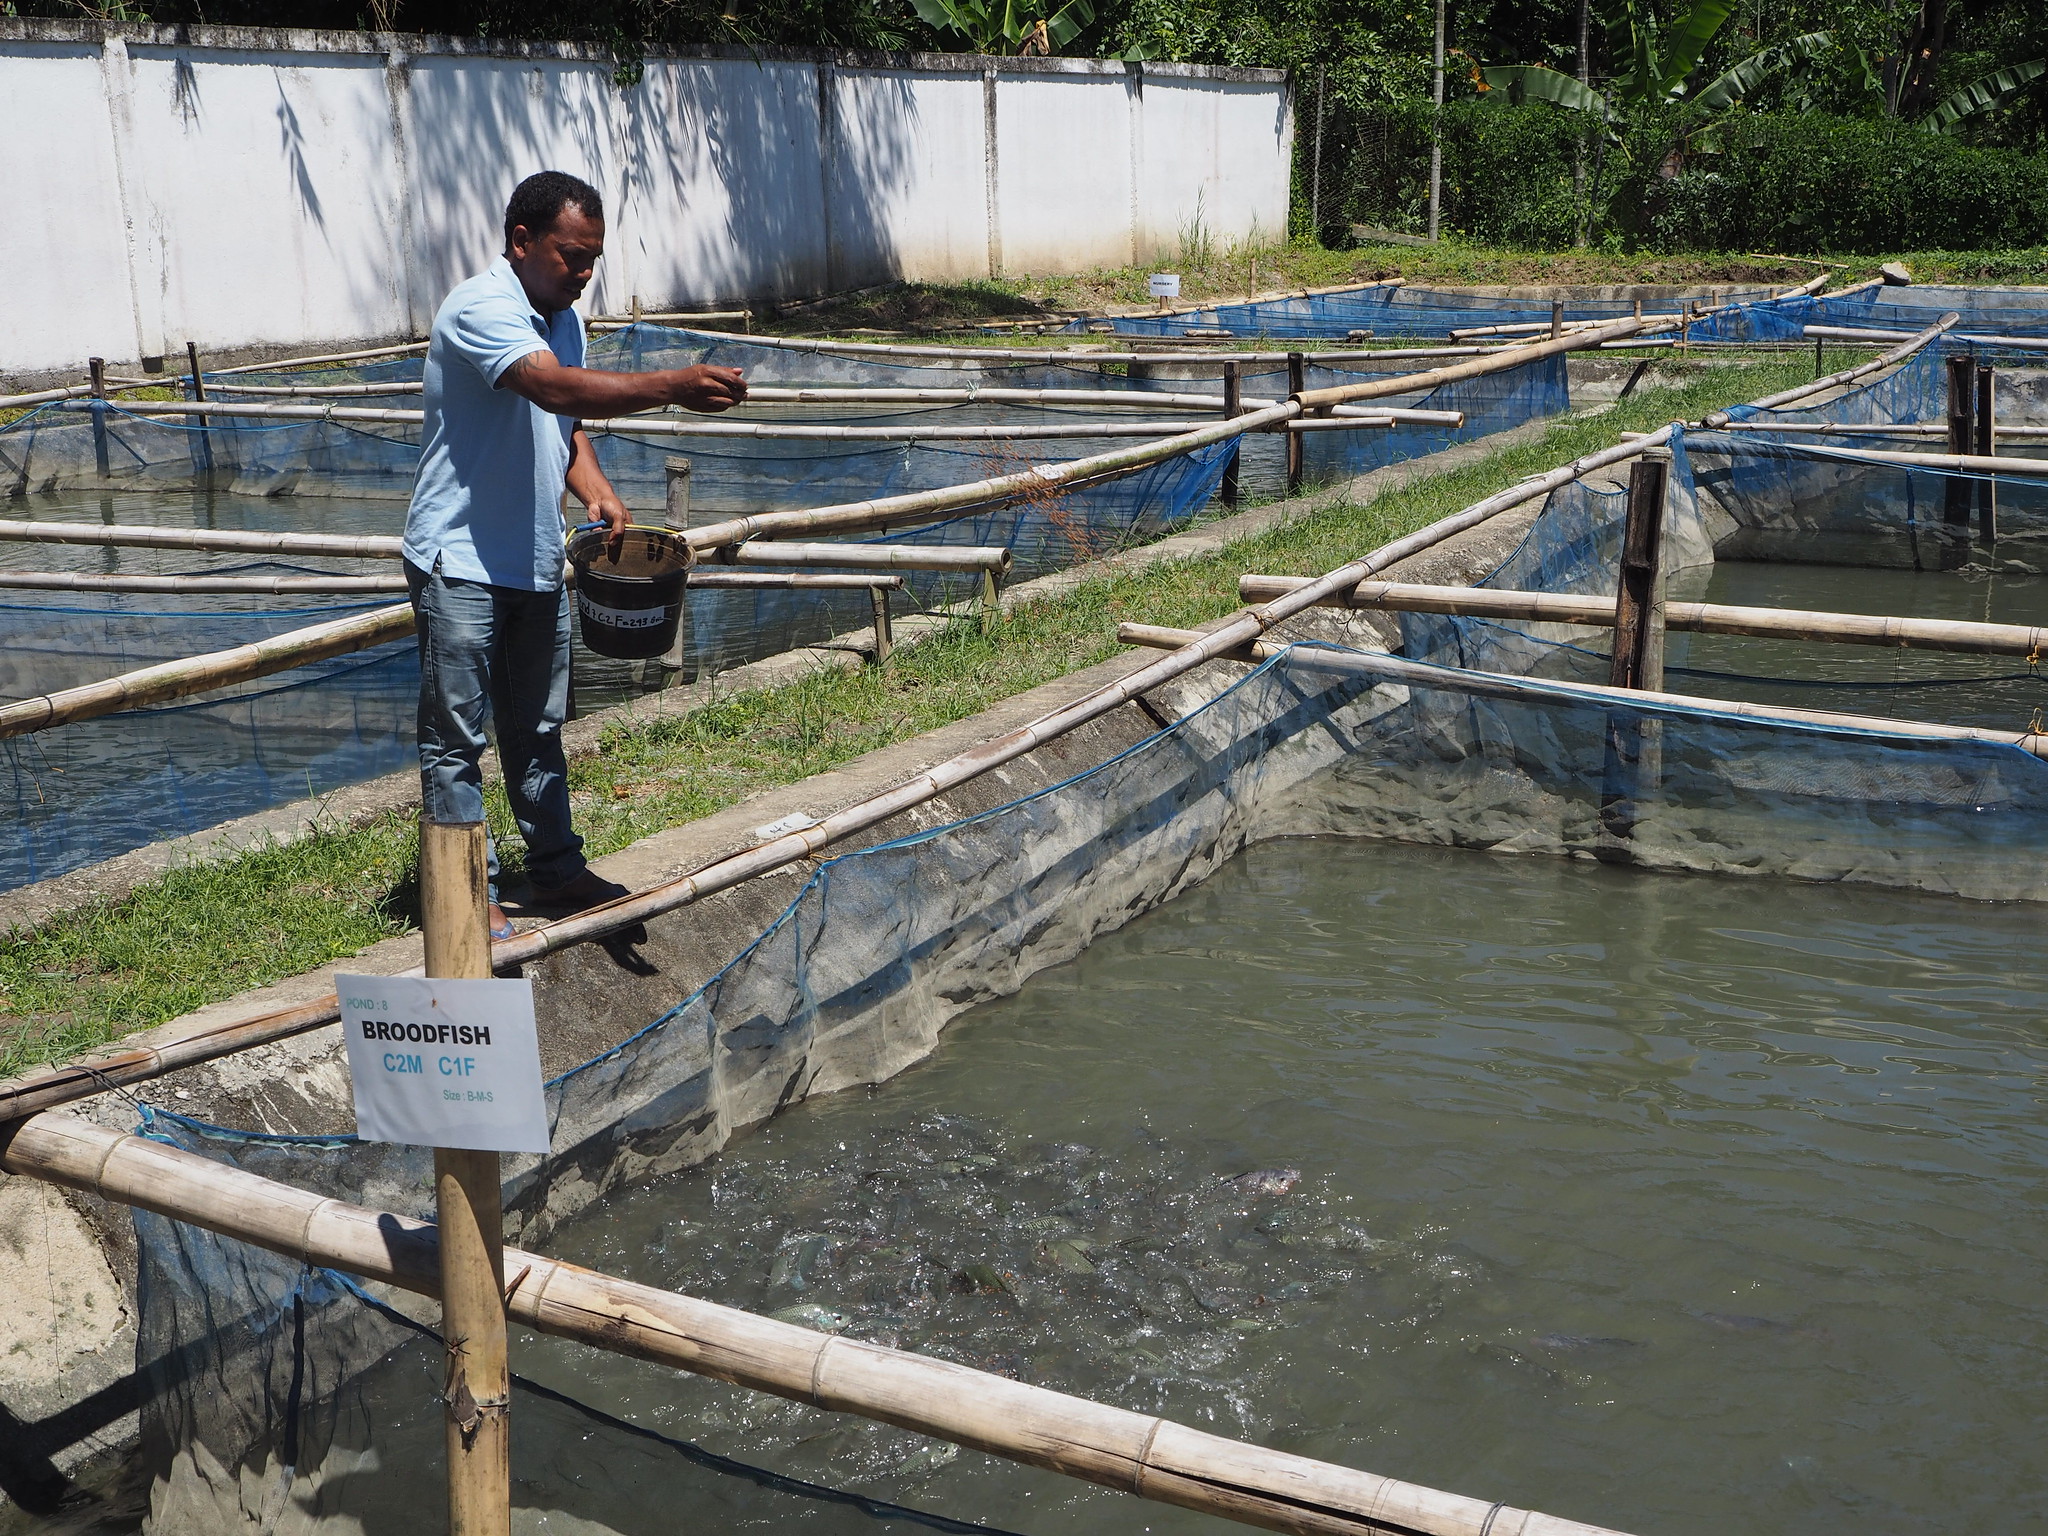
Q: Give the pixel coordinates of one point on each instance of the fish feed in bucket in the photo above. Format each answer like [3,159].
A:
[629,596]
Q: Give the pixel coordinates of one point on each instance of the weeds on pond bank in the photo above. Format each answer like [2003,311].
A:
[205,932]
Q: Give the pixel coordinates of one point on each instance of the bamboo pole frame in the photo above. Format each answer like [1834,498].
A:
[1973,338]
[799,581]
[399,349]
[199,674]
[2007,466]
[1878,364]
[364,546]
[469,1211]
[84,1078]
[1135,1453]
[1403,384]
[200,584]
[872,557]
[1598,696]
[1818,625]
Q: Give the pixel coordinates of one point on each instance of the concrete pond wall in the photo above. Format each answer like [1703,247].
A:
[241,188]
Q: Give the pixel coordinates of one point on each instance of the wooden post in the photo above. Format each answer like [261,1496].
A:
[1634,747]
[454,890]
[1638,309]
[1233,404]
[202,440]
[96,370]
[1818,343]
[1987,445]
[1957,490]
[991,594]
[676,516]
[885,639]
[1556,318]
[1634,655]
[1297,381]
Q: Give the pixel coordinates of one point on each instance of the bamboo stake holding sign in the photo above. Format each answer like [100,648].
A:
[451,1060]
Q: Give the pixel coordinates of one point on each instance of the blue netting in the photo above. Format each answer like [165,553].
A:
[1794,522]
[2018,313]
[1420,313]
[310,731]
[273,1388]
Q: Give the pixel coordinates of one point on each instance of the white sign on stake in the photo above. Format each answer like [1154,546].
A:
[1163,285]
[440,1063]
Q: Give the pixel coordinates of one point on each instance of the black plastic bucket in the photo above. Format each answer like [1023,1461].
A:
[629,596]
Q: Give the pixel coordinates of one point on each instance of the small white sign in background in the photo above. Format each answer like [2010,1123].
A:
[441,1063]
[1164,285]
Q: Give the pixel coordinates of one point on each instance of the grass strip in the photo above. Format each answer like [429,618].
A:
[204,932]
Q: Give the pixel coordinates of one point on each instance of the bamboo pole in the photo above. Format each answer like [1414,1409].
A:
[1594,696]
[1897,354]
[215,669]
[1092,354]
[2010,466]
[469,1211]
[925,506]
[1134,1453]
[281,363]
[195,585]
[1971,338]
[873,557]
[1863,287]
[255,542]
[1416,383]
[801,581]
[2002,431]
[337,391]
[1699,618]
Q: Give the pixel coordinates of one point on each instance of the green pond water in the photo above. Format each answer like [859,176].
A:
[1675,1204]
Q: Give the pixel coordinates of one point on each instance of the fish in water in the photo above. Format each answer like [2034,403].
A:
[1264,1181]
[797,1262]
[1743,1322]
[811,1315]
[978,1278]
[1582,1343]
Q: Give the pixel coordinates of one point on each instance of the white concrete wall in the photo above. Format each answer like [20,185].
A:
[241,189]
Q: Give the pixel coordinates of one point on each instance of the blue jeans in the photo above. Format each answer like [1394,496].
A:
[504,653]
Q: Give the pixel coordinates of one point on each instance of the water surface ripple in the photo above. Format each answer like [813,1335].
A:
[1676,1204]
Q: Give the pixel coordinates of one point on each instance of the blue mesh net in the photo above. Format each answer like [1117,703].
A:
[277,1389]
[306,732]
[1419,313]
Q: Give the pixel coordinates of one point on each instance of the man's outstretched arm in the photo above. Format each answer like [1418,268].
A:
[586,392]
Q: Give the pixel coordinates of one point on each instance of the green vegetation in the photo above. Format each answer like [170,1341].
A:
[205,932]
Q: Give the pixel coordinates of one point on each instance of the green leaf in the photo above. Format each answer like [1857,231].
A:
[1982,94]
[1519,83]
[1694,32]
[1744,77]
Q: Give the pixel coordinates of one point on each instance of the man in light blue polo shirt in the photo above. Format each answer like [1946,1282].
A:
[505,387]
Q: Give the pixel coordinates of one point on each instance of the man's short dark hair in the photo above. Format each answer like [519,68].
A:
[539,200]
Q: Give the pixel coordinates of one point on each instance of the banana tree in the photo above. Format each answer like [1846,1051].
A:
[1004,26]
[1981,95]
[1654,70]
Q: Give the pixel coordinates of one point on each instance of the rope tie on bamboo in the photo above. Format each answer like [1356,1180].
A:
[467,1410]
[1145,1457]
[1486,1526]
